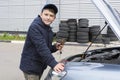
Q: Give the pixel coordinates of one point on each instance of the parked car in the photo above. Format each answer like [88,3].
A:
[98,64]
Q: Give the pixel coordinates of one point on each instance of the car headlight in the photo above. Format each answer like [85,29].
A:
[58,76]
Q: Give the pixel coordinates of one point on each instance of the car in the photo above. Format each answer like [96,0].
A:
[97,64]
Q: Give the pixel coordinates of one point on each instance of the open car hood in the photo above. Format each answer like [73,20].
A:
[110,14]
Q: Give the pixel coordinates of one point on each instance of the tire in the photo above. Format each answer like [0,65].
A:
[62,34]
[95,28]
[83,24]
[82,37]
[73,27]
[72,34]
[106,40]
[62,24]
[64,29]
[72,37]
[82,33]
[113,38]
[84,20]
[98,37]
[110,31]
[72,30]
[59,38]
[98,41]
[72,40]
[94,33]
[72,22]
[111,35]
[82,29]
[82,41]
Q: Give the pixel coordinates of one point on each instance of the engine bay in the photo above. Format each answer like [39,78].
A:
[109,56]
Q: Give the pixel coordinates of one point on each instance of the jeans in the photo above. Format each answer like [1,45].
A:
[31,76]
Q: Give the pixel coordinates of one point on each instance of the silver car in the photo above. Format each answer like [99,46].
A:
[98,64]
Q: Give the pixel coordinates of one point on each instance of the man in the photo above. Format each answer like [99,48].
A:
[38,46]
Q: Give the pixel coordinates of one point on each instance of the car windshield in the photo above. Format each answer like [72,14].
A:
[110,14]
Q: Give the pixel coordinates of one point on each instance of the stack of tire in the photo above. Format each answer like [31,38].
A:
[111,34]
[94,31]
[83,30]
[63,32]
[105,39]
[72,23]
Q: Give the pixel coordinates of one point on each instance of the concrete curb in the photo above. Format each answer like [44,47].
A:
[114,43]
[13,41]
[5,41]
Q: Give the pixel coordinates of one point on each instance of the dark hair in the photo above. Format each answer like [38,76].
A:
[51,7]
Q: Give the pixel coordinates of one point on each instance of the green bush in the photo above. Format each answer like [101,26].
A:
[7,36]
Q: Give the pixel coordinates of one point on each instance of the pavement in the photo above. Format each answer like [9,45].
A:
[10,53]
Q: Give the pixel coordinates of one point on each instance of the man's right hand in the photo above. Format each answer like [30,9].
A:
[59,67]
[59,46]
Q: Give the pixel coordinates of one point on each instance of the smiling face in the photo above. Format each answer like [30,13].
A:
[47,16]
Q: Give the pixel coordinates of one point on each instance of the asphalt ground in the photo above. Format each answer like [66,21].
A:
[10,54]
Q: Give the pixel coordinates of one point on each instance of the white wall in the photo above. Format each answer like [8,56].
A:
[16,15]
[84,9]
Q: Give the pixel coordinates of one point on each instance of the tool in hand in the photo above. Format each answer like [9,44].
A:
[62,42]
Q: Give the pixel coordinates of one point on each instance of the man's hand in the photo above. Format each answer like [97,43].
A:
[59,67]
[59,46]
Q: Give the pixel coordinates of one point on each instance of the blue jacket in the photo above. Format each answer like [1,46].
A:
[37,49]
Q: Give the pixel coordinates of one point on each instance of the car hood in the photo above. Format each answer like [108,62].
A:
[83,66]
[91,71]
[110,14]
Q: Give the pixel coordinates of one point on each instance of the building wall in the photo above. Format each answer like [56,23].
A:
[16,15]
[84,9]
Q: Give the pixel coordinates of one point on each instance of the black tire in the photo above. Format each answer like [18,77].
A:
[72,22]
[64,29]
[83,24]
[72,34]
[72,40]
[62,34]
[98,41]
[82,37]
[105,35]
[73,27]
[82,29]
[72,37]
[94,33]
[95,28]
[72,30]
[59,38]
[110,31]
[85,20]
[98,37]
[82,33]
[63,24]
[113,38]
[106,40]
[82,41]
[111,35]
